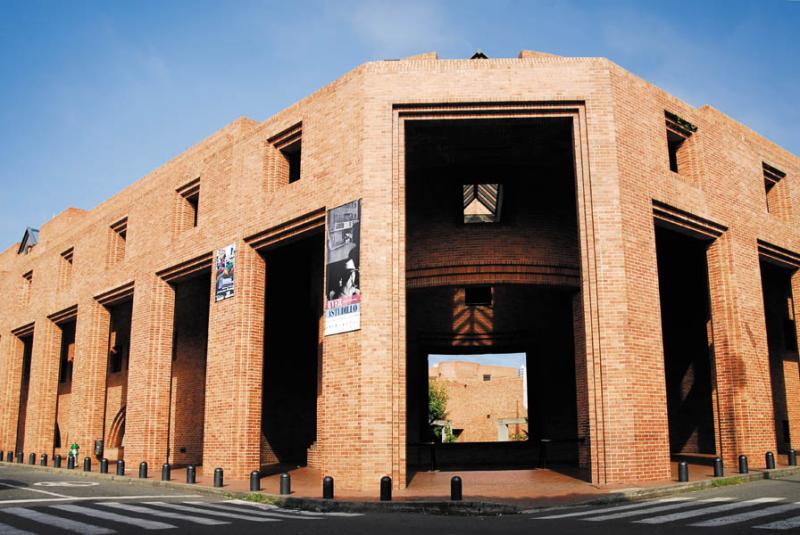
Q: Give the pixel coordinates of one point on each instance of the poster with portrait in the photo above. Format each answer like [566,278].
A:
[342,286]
[225,266]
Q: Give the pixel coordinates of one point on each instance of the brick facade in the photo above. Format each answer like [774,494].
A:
[574,268]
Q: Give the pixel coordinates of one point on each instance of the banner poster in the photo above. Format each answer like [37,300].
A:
[225,262]
[342,286]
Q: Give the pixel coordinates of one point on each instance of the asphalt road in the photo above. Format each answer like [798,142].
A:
[33,501]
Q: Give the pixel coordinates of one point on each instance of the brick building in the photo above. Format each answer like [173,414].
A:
[641,252]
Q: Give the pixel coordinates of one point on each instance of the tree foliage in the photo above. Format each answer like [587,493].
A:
[437,410]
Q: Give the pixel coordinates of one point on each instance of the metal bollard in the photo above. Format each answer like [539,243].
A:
[103,465]
[743,464]
[10,457]
[191,474]
[719,471]
[32,458]
[769,460]
[2,455]
[143,470]
[286,484]
[218,477]
[683,471]
[327,488]
[386,489]
[20,457]
[455,489]
[121,467]
[792,458]
[43,460]
[57,461]
[255,481]
[87,464]
[70,462]
[165,472]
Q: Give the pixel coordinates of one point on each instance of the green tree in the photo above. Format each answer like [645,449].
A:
[437,410]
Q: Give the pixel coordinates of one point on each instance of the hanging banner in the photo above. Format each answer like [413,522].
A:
[342,287]
[226,268]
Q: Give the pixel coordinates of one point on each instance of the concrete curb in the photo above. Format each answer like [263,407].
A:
[447,507]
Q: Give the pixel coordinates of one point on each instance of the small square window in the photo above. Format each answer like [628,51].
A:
[679,132]
[118,241]
[487,377]
[27,286]
[482,203]
[284,156]
[65,268]
[188,199]
[478,296]
[775,191]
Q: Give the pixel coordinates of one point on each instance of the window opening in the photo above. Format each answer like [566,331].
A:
[188,205]
[773,189]
[27,284]
[678,132]
[482,203]
[478,296]
[119,238]
[287,156]
[65,278]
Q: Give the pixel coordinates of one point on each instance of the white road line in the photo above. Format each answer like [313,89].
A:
[744,517]
[787,523]
[87,498]
[5,529]
[638,505]
[266,507]
[705,511]
[34,490]
[201,511]
[57,521]
[114,517]
[642,512]
[256,512]
[164,514]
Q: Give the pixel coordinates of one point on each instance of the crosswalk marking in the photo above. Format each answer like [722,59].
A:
[787,523]
[704,511]
[57,521]
[257,512]
[5,529]
[615,508]
[204,511]
[749,515]
[114,517]
[164,514]
[657,509]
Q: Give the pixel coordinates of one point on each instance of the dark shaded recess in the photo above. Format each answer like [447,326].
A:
[293,307]
[27,351]
[685,313]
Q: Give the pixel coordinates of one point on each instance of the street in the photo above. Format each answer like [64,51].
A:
[45,502]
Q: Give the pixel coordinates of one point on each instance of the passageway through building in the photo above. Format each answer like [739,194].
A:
[492,267]
[188,381]
[686,332]
[63,423]
[26,343]
[292,315]
[119,340]
[776,282]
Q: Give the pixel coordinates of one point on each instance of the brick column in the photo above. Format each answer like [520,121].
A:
[43,389]
[9,389]
[741,354]
[232,431]
[147,413]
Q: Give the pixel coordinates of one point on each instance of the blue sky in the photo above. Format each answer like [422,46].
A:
[512,360]
[97,94]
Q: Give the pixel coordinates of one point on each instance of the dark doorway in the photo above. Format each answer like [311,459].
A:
[27,351]
[686,324]
[293,308]
[66,360]
[776,284]
[188,384]
[119,340]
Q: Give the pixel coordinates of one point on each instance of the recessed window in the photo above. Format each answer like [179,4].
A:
[775,190]
[65,268]
[292,156]
[487,377]
[188,199]
[478,296]
[285,156]
[27,285]
[678,146]
[118,241]
[482,203]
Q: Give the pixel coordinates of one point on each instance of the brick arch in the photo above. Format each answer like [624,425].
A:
[117,432]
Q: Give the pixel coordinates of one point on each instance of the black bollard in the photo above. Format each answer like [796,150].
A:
[103,465]
[769,460]
[743,464]
[43,459]
[218,477]
[143,470]
[121,467]
[191,474]
[718,470]
[455,489]
[255,481]
[70,462]
[792,458]
[286,484]
[165,472]
[87,464]
[327,488]
[10,457]
[386,489]
[683,472]
[20,457]
[32,458]
[57,461]
[2,455]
